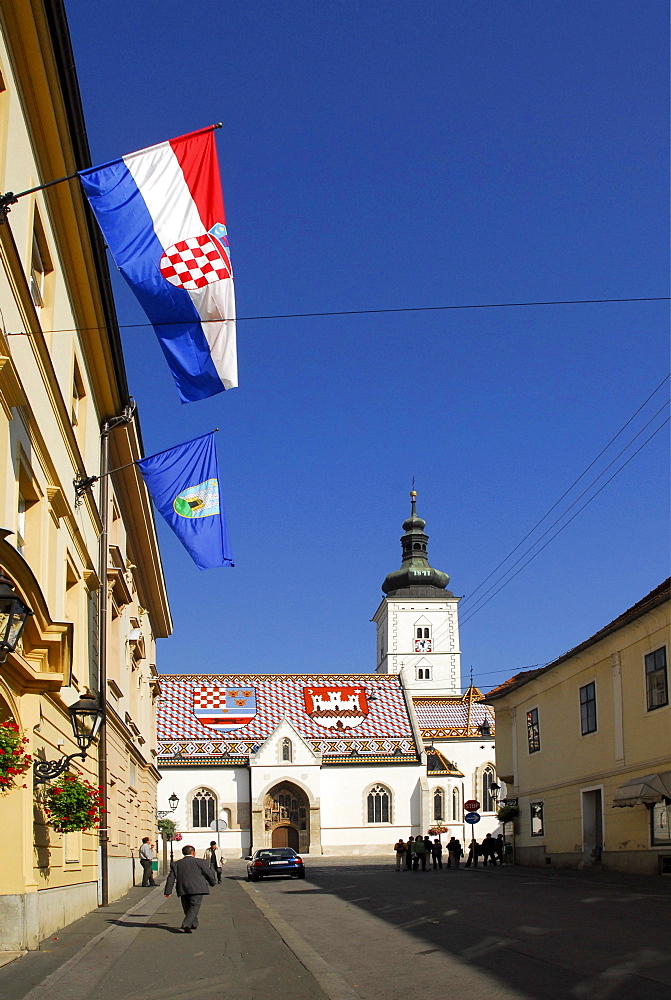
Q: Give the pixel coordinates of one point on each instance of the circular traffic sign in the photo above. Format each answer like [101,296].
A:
[472,817]
[472,805]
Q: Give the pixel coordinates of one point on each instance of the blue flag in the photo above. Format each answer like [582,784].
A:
[183,482]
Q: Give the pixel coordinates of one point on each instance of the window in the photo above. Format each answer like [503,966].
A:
[661,824]
[656,680]
[78,393]
[203,807]
[423,673]
[536,809]
[488,799]
[378,804]
[533,731]
[439,804]
[422,633]
[456,817]
[588,708]
[40,263]
[287,750]
[22,506]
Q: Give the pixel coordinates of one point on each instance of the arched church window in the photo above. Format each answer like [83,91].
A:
[419,633]
[439,804]
[488,779]
[203,807]
[427,634]
[379,800]
[456,803]
[423,673]
[287,749]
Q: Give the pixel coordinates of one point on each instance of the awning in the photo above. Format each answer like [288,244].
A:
[646,790]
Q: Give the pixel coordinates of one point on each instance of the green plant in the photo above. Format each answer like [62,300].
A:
[14,761]
[73,804]
[508,813]
[166,828]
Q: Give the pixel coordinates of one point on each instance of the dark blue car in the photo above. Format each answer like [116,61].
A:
[275,861]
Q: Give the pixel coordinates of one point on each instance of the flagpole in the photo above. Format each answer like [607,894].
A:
[84,483]
[9,198]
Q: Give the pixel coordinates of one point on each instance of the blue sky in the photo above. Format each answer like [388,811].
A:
[386,154]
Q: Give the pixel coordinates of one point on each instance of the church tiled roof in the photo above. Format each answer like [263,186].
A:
[222,718]
[446,718]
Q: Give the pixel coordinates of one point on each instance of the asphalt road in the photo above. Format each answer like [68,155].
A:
[357,928]
[495,933]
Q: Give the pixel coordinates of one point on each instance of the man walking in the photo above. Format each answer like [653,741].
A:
[146,860]
[192,876]
[213,857]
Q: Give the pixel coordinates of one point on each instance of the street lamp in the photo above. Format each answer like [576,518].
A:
[14,614]
[86,718]
[173,802]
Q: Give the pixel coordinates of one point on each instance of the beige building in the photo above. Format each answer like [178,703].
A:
[61,378]
[584,744]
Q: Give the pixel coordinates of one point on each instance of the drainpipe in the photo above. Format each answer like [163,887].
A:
[107,427]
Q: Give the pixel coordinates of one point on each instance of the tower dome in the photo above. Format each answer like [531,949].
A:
[415,578]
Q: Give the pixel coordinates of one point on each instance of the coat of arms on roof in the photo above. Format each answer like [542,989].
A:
[224,708]
[336,707]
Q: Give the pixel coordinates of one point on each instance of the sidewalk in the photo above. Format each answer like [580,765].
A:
[134,950]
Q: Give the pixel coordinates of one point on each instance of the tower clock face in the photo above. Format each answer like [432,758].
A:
[422,645]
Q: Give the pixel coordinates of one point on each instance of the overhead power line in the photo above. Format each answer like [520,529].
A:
[504,582]
[573,484]
[372,312]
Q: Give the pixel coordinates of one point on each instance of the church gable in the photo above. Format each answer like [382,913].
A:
[223,718]
[285,746]
[445,718]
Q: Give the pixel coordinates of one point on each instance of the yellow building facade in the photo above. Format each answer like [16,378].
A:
[62,378]
[584,745]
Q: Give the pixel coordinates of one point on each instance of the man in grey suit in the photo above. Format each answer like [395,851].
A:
[192,876]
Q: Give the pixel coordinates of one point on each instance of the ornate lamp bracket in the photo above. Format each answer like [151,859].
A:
[45,770]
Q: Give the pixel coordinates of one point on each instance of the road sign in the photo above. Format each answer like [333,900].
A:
[472,817]
[472,805]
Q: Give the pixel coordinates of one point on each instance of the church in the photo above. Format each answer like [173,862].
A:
[338,764]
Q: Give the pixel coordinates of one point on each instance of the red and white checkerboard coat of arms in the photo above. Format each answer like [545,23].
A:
[336,707]
[197,261]
[224,708]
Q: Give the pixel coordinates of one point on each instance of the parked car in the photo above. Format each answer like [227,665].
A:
[275,861]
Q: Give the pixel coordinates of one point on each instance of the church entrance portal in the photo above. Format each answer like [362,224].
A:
[286,812]
[285,836]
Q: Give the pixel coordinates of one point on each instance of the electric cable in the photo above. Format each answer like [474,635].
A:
[567,491]
[572,518]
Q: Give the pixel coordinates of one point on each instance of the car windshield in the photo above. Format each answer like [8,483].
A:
[276,854]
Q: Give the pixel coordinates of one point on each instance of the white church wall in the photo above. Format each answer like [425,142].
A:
[231,788]
[344,808]
[397,622]
[470,756]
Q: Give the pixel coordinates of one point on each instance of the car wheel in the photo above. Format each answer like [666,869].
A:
[301,875]
[253,878]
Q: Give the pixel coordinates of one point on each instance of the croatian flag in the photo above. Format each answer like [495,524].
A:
[161,211]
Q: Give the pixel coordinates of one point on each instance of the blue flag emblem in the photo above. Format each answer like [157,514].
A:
[183,482]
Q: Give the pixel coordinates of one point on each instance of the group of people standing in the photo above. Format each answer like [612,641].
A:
[418,851]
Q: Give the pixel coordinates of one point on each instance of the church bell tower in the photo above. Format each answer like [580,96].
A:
[417,621]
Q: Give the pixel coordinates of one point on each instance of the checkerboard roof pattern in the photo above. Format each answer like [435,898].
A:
[451,713]
[386,728]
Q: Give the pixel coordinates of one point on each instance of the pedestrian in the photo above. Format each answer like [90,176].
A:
[454,852]
[437,853]
[192,876]
[408,854]
[419,851]
[214,859]
[473,854]
[399,848]
[499,848]
[146,854]
[488,850]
